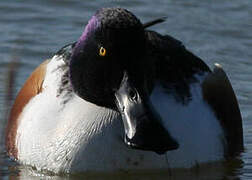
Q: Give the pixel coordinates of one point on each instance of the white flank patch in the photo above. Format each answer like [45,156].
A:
[194,126]
[80,136]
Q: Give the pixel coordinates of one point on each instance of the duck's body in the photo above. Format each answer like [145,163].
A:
[51,127]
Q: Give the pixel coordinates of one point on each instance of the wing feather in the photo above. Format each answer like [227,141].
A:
[219,94]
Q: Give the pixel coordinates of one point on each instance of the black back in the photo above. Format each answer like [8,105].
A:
[175,65]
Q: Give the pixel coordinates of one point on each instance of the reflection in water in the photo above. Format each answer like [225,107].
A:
[8,82]
[222,170]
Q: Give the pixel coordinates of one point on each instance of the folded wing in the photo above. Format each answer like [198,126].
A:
[219,94]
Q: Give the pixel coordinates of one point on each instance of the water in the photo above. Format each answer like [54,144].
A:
[217,31]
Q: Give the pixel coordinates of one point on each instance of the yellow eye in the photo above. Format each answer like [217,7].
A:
[102,51]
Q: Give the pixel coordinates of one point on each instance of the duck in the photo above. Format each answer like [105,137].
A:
[124,98]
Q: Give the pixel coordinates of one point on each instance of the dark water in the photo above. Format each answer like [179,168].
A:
[217,31]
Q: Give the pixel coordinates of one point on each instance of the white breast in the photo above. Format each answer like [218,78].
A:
[76,136]
[80,136]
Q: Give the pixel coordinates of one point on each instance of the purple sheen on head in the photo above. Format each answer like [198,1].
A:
[91,26]
[93,23]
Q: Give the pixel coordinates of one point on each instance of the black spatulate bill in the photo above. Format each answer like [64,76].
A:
[142,124]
